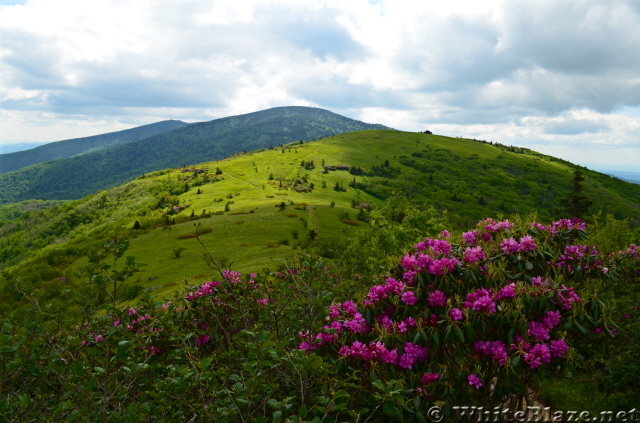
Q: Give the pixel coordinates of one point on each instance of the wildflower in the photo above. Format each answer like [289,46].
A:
[132,311]
[538,354]
[527,243]
[474,255]
[509,246]
[412,354]
[558,348]
[507,291]
[474,381]
[428,378]
[551,320]
[456,314]
[262,301]
[202,340]
[437,298]
[409,298]
[98,338]
[538,331]
[470,237]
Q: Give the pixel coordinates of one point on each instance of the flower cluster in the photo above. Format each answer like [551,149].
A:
[470,298]
[526,244]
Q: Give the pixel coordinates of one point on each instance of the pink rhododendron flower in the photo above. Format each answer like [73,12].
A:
[527,243]
[507,291]
[437,298]
[350,308]
[357,325]
[428,378]
[470,237]
[509,246]
[202,340]
[537,355]
[480,301]
[551,320]
[456,314]
[409,298]
[412,354]
[474,381]
[558,348]
[132,311]
[538,331]
[496,350]
[474,255]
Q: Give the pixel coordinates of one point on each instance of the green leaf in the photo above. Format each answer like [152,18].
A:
[580,328]
[314,361]
[302,411]
[435,338]
[205,363]
[274,404]
[459,334]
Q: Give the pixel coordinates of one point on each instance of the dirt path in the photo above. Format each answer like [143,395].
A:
[314,221]
[240,179]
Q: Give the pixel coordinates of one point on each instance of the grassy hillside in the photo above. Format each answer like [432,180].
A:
[75,177]
[260,206]
[73,147]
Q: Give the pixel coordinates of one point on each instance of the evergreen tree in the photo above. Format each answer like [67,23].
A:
[575,203]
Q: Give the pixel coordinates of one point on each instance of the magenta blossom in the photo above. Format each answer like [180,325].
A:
[409,298]
[428,378]
[456,314]
[437,298]
[474,381]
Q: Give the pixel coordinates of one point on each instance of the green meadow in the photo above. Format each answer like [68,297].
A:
[260,207]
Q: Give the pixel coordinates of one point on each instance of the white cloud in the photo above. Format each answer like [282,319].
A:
[485,69]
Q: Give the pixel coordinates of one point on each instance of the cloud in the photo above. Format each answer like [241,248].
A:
[492,68]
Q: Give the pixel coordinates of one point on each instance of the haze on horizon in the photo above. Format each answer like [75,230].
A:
[557,77]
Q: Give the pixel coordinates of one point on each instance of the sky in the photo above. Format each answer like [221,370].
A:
[559,77]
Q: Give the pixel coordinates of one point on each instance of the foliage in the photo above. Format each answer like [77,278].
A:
[488,306]
[477,322]
[576,203]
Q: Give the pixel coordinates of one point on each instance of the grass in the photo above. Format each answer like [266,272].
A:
[253,241]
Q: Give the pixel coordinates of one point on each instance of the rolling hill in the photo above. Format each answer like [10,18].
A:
[73,147]
[260,207]
[75,177]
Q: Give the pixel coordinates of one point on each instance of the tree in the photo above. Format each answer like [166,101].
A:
[576,203]
[136,225]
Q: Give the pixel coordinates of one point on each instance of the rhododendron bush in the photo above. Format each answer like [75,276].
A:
[475,320]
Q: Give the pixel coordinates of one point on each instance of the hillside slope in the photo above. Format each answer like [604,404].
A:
[72,147]
[260,206]
[78,176]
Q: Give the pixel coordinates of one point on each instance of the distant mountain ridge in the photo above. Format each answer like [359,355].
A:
[75,177]
[19,146]
[84,145]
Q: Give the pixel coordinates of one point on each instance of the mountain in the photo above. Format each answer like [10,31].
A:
[20,146]
[260,206]
[73,147]
[77,176]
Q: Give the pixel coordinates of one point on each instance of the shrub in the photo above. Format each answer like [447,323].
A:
[476,322]
[178,251]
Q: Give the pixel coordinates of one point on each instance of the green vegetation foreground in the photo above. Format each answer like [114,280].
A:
[479,319]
